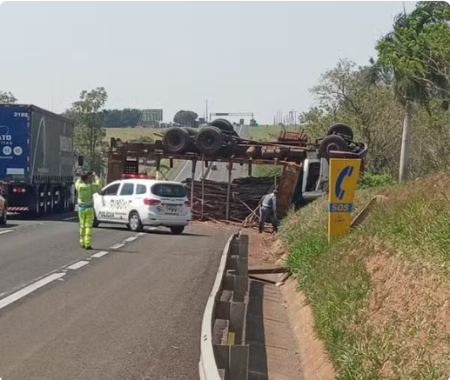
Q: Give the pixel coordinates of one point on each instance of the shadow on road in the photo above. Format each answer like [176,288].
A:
[7,225]
[162,232]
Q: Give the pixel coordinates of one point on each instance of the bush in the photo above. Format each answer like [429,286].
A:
[370,180]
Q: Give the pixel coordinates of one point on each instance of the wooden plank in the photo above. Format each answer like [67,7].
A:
[265,269]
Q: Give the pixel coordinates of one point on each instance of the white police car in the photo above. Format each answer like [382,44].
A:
[139,202]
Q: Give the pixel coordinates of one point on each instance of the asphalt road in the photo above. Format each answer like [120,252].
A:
[129,309]
[221,174]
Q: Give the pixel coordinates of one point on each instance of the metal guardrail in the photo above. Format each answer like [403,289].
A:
[223,352]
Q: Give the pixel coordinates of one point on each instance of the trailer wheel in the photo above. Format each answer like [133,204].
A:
[341,129]
[333,142]
[176,140]
[222,124]
[191,131]
[209,140]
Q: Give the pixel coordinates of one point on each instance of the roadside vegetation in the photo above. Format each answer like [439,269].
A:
[379,296]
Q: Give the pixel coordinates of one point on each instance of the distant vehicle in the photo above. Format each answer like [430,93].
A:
[138,202]
[3,211]
[37,160]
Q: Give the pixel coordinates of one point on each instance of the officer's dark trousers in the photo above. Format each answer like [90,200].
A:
[264,214]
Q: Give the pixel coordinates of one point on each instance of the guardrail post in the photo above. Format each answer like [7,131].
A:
[231,358]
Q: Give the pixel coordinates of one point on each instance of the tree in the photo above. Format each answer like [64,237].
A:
[89,129]
[186,118]
[344,95]
[128,117]
[417,53]
[7,97]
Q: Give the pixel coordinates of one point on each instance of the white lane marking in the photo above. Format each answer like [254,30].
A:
[130,239]
[78,265]
[143,233]
[29,289]
[116,246]
[5,232]
[182,170]
[71,218]
[100,254]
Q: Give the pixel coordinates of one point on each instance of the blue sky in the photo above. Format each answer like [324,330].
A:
[242,56]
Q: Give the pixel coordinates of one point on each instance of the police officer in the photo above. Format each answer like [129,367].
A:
[268,211]
[86,187]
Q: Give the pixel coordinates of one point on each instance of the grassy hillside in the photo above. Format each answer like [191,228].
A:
[380,295]
[126,134]
[266,133]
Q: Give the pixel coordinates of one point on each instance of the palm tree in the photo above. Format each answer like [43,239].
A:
[415,53]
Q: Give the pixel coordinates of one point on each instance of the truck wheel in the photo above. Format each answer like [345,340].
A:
[209,141]
[191,131]
[223,125]
[341,129]
[177,230]
[37,211]
[176,140]
[333,142]
[4,218]
[134,222]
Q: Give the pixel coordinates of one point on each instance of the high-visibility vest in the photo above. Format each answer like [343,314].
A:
[86,191]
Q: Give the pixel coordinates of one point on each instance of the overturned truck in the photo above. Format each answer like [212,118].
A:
[305,164]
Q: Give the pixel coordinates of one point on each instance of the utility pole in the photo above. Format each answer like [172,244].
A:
[406,143]
[207,119]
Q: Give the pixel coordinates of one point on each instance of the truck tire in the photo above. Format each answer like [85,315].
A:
[177,230]
[176,140]
[224,125]
[341,129]
[333,142]
[4,218]
[209,141]
[191,131]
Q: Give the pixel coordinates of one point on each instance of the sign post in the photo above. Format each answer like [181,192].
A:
[343,178]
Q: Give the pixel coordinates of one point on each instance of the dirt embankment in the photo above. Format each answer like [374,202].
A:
[377,299]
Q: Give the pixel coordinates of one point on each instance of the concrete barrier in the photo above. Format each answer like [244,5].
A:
[223,352]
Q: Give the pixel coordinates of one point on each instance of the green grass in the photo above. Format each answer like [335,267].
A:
[378,295]
[127,134]
[267,132]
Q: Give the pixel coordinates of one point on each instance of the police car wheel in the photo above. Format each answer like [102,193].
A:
[134,222]
[96,222]
[177,230]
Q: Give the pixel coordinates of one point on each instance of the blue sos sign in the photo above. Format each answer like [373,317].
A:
[340,207]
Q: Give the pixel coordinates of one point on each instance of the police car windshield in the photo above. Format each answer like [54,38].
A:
[168,190]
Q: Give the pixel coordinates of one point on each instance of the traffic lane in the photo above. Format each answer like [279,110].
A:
[221,174]
[19,221]
[133,315]
[186,171]
[28,253]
